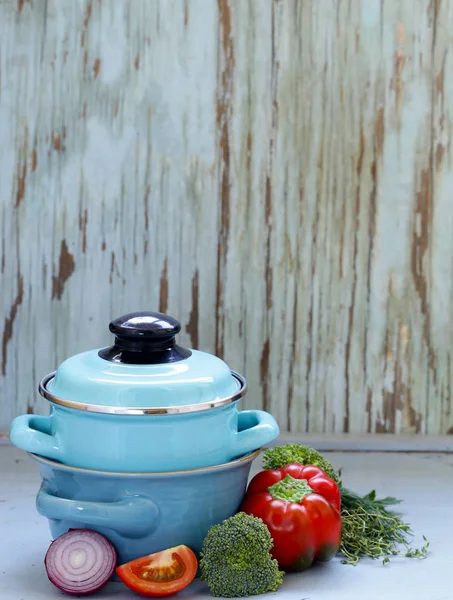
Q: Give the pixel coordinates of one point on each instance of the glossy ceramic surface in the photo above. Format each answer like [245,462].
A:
[87,377]
[144,443]
[144,368]
[145,512]
[175,409]
[144,404]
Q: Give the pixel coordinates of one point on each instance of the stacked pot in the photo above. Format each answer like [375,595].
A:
[144,442]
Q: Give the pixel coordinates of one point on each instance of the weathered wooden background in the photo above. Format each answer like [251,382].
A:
[276,174]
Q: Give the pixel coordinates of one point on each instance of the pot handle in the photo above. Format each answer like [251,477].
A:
[256,428]
[132,517]
[32,434]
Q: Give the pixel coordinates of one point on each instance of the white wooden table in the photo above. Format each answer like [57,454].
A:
[423,480]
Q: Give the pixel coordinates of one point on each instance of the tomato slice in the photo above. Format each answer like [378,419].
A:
[160,574]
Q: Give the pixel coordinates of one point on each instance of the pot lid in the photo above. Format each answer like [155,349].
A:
[145,370]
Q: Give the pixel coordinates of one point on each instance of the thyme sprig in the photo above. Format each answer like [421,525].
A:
[370,529]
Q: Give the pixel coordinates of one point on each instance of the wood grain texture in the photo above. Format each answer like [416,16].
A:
[276,174]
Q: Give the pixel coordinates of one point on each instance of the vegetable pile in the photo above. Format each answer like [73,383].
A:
[82,561]
[369,528]
[295,511]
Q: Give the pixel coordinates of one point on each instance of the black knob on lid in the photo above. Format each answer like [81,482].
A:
[138,330]
[145,338]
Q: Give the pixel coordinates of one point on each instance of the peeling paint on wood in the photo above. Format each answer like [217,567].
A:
[193,324]
[223,121]
[83,221]
[163,299]
[9,321]
[96,67]
[277,175]
[57,141]
[20,4]
[66,268]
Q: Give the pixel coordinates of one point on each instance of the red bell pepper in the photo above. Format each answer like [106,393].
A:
[301,507]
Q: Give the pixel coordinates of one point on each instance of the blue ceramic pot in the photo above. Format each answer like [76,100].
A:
[142,513]
[144,404]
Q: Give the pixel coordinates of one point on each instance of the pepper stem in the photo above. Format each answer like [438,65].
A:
[290,489]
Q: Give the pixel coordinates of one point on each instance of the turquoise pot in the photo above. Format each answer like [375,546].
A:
[144,404]
[142,513]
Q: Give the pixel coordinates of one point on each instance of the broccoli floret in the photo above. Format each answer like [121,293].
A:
[235,560]
[277,457]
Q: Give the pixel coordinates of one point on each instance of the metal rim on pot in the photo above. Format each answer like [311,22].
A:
[198,470]
[142,411]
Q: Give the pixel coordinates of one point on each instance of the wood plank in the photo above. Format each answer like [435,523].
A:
[275,174]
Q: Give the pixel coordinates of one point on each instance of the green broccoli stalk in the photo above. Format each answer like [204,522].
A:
[235,561]
[277,457]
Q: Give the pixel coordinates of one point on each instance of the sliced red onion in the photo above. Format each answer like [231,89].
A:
[80,561]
